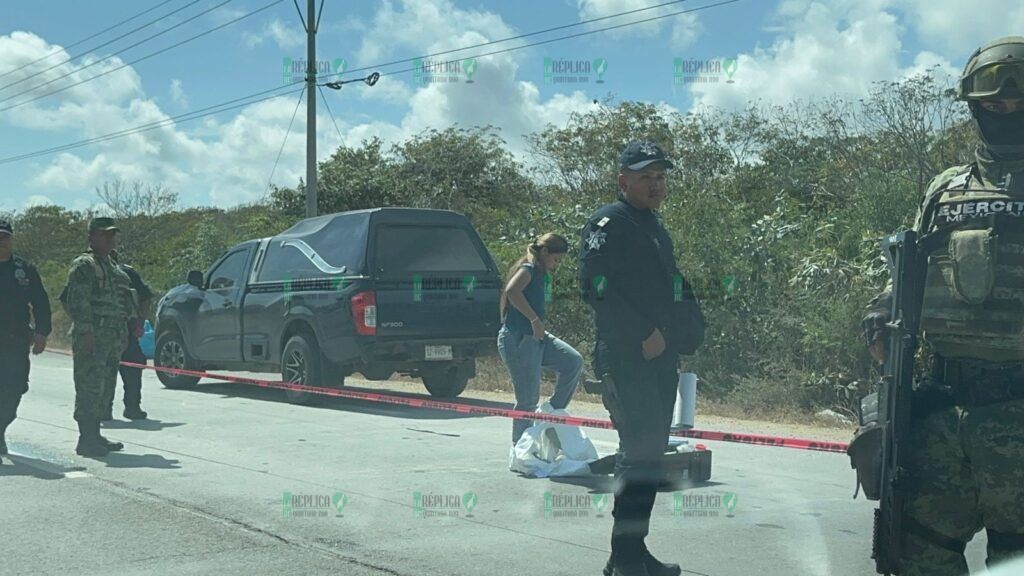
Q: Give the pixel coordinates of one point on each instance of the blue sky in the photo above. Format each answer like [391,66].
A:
[783,49]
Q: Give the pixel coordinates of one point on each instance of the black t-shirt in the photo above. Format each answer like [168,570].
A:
[10,315]
[140,286]
[22,296]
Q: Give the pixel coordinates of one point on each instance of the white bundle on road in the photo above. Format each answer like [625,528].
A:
[547,450]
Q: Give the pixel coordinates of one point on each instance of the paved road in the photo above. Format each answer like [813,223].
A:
[201,489]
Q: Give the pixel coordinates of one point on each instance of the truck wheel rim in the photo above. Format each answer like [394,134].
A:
[295,368]
[172,355]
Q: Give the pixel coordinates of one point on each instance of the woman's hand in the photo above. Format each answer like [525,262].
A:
[538,328]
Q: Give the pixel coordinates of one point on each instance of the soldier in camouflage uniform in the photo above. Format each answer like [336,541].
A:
[966,451]
[100,305]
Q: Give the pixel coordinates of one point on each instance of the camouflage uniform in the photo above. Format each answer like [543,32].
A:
[966,450]
[99,301]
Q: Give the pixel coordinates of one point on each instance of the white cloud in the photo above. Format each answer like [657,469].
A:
[427,26]
[287,37]
[934,64]
[957,28]
[65,107]
[590,9]
[178,95]
[220,163]
[388,89]
[494,98]
[227,160]
[37,200]
[843,46]
[835,47]
[686,29]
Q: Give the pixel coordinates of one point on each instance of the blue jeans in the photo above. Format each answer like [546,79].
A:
[524,356]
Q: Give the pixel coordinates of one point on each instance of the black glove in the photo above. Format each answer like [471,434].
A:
[873,327]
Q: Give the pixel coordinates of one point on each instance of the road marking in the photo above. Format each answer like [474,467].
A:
[77,474]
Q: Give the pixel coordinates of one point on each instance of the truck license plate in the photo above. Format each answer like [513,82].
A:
[438,352]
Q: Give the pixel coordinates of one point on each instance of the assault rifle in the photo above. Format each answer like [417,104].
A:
[907,266]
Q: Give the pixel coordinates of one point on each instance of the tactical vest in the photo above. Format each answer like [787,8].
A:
[111,295]
[973,304]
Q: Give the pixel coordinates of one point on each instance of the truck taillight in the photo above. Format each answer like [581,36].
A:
[364,312]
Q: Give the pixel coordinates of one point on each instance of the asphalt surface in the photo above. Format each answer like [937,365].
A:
[201,489]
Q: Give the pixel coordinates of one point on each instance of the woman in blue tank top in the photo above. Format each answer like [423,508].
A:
[525,347]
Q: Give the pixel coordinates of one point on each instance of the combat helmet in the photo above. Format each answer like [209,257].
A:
[996,71]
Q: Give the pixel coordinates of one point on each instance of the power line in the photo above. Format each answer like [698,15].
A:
[577,35]
[301,17]
[137,60]
[91,64]
[195,114]
[517,37]
[109,42]
[215,109]
[333,121]
[83,40]
[283,142]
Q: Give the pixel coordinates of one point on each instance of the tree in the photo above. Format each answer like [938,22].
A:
[138,208]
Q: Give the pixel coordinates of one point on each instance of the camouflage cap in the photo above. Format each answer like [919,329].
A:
[102,224]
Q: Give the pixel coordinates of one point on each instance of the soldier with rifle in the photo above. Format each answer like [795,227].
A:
[944,455]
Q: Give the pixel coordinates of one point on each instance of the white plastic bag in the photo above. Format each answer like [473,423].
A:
[547,450]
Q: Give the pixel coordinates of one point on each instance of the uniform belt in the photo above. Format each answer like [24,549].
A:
[981,384]
[109,321]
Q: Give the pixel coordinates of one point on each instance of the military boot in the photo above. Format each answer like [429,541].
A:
[110,445]
[88,442]
[653,566]
[630,569]
[135,412]
[3,445]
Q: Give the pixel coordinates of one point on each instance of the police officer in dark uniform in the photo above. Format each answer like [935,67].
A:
[646,317]
[22,299]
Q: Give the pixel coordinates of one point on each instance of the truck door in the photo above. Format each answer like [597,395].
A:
[218,323]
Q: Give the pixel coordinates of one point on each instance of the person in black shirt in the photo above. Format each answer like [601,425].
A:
[646,317]
[23,299]
[131,376]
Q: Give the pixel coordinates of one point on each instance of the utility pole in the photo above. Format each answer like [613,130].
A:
[311,25]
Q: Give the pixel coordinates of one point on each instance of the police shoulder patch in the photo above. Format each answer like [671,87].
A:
[596,239]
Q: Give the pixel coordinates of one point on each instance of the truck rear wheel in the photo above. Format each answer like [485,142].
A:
[376,373]
[171,353]
[302,363]
[445,383]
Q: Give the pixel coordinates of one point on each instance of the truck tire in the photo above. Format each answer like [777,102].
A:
[444,383]
[375,373]
[302,363]
[170,352]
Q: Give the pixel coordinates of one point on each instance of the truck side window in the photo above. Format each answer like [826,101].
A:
[230,272]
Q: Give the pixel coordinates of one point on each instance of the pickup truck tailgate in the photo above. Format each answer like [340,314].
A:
[435,281]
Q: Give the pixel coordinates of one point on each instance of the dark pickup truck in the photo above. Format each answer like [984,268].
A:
[375,291]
